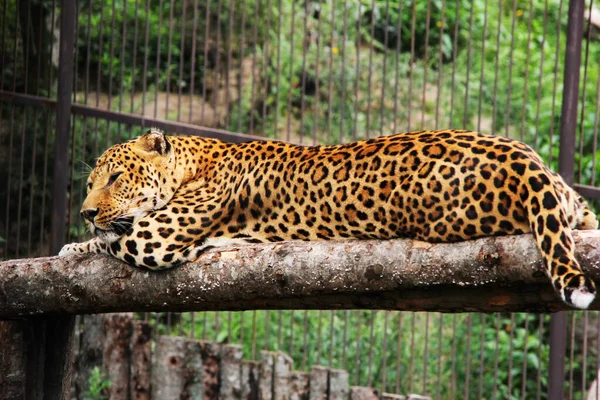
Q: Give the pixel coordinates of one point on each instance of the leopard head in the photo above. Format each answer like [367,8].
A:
[129,181]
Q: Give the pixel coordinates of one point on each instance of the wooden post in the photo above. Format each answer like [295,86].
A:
[39,349]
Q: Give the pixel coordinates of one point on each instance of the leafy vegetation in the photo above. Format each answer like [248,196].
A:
[99,384]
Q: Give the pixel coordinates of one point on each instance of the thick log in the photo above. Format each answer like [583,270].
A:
[168,378]
[117,354]
[281,376]
[338,384]
[13,378]
[363,393]
[265,380]
[299,385]
[141,355]
[318,383]
[89,351]
[211,360]
[488,275]
[231,372]
[250,377]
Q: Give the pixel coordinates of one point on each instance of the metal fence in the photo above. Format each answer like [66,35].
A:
[311,72]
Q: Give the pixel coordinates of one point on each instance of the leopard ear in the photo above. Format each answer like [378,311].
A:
[155,141]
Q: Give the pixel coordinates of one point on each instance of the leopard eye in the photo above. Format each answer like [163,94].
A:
[113,178]
[89,186]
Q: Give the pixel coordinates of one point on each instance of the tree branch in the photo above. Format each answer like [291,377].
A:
[488,275]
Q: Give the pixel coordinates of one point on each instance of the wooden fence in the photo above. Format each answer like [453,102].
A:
[183,368]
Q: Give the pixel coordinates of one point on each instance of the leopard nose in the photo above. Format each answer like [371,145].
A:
[89,214]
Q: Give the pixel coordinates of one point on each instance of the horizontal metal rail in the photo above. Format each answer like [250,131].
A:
[131,119]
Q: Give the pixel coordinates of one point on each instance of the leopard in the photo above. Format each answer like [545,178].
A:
[158,201]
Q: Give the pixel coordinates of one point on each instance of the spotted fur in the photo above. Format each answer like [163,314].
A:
[159,201]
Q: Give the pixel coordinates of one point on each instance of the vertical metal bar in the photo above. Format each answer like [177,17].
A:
[496,68]
[63,121]
[510,352]
[305,342]
[558,345]
[571,353]
[588,37]
[425,351]
[468,349]
[332,338]
[307,39]
[568,120]
[510,68]
[371,344]
[357,365]
[217,72]
[524,102]
[525,359]
[496,356]
[57,332]
[426,68]
[146,53]
[440,354]
[193,58]
[343,78]
[467,72]
[384,346]
[454,55]
[481,353]
[230,30]
[554,89]
[481,75]
[182,57]
[539,91]
[411,362]
[319,336]
[369,80]
[357,77]
[384,70]
[439,66]
[317,95]
[412,65]
[134,60]
[253,73]
[539,354]
[399,352]
[584,352]
[566,167]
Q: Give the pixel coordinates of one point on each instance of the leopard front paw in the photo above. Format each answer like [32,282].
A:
[73,248]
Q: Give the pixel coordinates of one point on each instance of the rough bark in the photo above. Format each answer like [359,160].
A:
[265,382]
[363,393]
[318,383]
[250,376]
[299,385]
[211,359]
[141,354]
[12,360]
[281,376]
[168,376]
[117,354]
[489,275]
[90,349]
[338,384]
[231,371]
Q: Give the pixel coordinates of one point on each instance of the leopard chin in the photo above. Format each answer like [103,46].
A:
[106,236]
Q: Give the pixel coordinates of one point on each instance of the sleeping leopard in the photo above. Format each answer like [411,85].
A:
[159,201]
